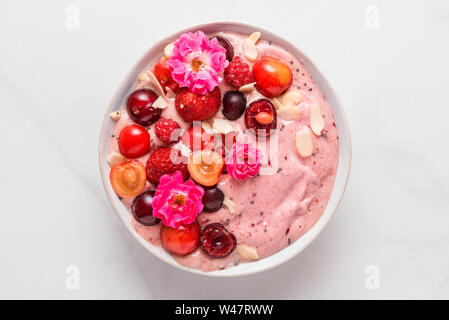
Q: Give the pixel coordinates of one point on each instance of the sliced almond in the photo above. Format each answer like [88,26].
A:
[160,103]
[247,252]
[170,93]
[250,50]
[115,158]
[228,203]
[304,143]
[115,115]
[247,88]
[143,77]
[207,127]
[254,37]
[222,126]
[168,49]
[277,104]
[289,112]
[316,119]
[291,97]
[153,80]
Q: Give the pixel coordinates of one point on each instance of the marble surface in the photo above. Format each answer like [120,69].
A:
[386,59]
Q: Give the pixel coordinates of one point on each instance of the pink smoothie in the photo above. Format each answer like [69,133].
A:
[271,211]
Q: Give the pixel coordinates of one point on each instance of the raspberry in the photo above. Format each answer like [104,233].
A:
[238,74]
[165,130]
[165,160]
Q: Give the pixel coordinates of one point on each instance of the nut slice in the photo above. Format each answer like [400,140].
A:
[115,158]
[168,49]
[304,143]
[247,252]
[277,104]
[222,126]
[160,103]
[247,88]
[289,112]
[316,119]
[254,37]
[250,50]
[228,203]
[292,97]
[115,115]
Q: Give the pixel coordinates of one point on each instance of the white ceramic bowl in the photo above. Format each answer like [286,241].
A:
[342,171]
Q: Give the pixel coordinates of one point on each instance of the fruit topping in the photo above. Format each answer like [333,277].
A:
[243,161]
[304,143]
[196,138]
[192,106]
[134,141]
[316,119]
[140,107]
[234,105]
[165,160]
[205,167]
[182,240]
[238,73]
[128,178]
[142,209]
[167,130]
[272,76]
[216,241]
[176,202]
[213,199]
[227,45]
[163,74]
[196,62]
[261,117]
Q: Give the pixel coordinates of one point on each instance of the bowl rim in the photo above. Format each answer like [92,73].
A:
[301,243]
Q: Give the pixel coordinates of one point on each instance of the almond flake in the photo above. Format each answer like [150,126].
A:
[115,115]
[153,80]
[291,98]
[288,112]
[277,104]
[143,77]
[115,158]
[250,50]
[168,49]
[207,127]
[304,143]
[228,203]
[247,252]
[160,103]
[170,93]
[247,88]
[254,37]
[316,119]
[222,126]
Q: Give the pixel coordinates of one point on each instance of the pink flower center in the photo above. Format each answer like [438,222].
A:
[197,64]
[178,201]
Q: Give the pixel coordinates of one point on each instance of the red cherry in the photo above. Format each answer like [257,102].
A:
[183,240]
[272,76]
[216,241]
[134,141]
[163,74]
[140,107]
[196,138]
[260,117]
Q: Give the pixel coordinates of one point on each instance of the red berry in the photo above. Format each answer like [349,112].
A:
[140,107]
[167,130]
[195,107]
[142,209]
[260,115]
[238,73]
[165,160]
[182,240]
[163,73]
[216,241]
[134,141]
[196,138]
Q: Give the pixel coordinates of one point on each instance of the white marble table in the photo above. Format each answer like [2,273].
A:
[387,60]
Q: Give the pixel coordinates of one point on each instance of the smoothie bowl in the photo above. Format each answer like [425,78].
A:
[225,152]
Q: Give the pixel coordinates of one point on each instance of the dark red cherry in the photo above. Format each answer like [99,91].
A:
[260,116]
[212,199]
[216,241]
[142,209]
[140,107]
[227,45]
[234,105]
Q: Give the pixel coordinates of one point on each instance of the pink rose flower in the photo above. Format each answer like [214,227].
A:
[243,161]
[176,202]
[196,61]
